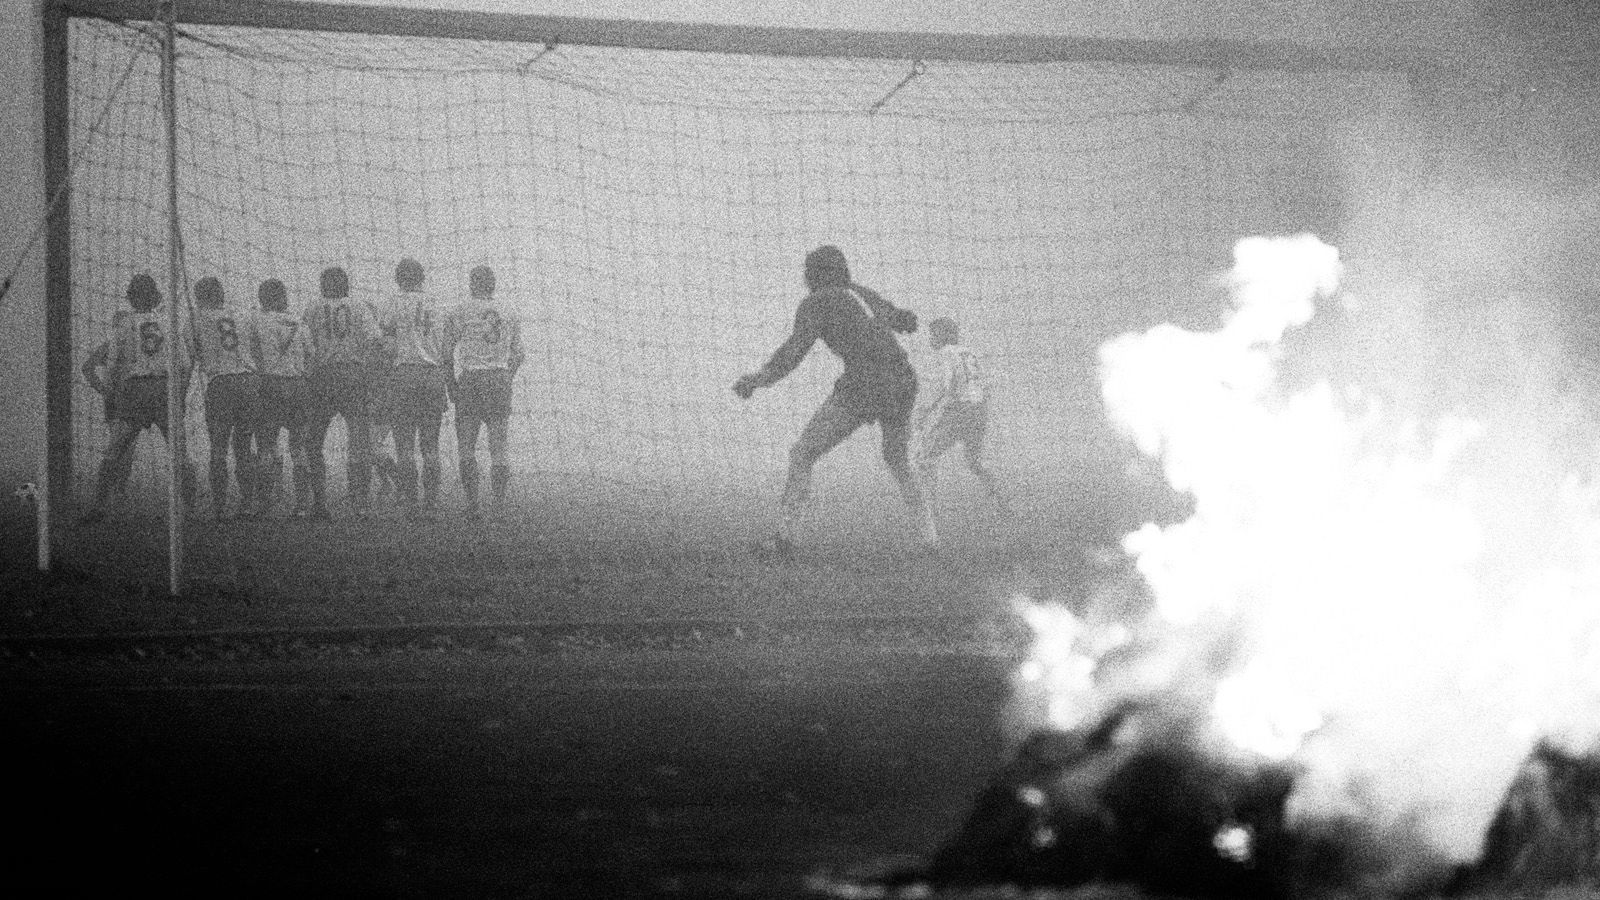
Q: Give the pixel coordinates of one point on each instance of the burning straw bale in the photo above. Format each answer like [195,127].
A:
[1079,807]
[1546,834]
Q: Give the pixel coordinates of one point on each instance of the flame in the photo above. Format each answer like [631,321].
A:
[1357,590]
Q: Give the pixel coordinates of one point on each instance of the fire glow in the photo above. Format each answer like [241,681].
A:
[1357,591]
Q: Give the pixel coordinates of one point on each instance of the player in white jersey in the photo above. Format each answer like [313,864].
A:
[414,327]
[485,351]
[136,380]
[341,340]
[284,398]
[228,352]
[958,410]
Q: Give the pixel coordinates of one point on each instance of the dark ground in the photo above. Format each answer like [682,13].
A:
[505,709]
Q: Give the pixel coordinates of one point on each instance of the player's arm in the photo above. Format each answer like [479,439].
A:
[99,358]
[515,357]
[901,320]
[788,355]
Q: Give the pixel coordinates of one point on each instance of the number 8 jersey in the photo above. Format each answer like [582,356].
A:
[225,341]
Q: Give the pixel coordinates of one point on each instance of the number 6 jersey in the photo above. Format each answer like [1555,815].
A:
[139,345]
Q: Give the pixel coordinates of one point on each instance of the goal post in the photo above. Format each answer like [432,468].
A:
[646,192]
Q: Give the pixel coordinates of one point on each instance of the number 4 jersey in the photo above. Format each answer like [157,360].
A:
[225,341]
[139,345]
[485,335]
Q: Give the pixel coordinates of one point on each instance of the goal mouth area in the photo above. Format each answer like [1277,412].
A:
[645,196]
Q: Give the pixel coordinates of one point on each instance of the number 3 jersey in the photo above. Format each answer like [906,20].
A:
[139,345]
[225,341]
[485,335]
[283,344]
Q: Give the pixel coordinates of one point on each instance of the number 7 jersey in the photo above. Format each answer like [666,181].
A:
[283,344]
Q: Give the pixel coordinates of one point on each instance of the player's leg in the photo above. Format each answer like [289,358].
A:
[467,426]
[495,408]
[247,411]
[117,456]
[433,404]
[896,426]
[499,429]
[356,403]
[827,429]
[972,441]
[268,430]
[218,428]
[319,419]
[937,439]
[297,409]
[380,416]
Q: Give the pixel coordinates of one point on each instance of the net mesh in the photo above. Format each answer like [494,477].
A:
[648,211]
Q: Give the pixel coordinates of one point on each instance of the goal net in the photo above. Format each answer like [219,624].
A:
[647,211]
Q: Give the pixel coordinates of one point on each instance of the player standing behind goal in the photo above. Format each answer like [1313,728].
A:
[485,342]
[414,324]
[878,384]
[284,397]
[137,384]
[229,354]
[958,412]
[341,339]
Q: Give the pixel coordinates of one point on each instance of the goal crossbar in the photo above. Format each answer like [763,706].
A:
[757,40]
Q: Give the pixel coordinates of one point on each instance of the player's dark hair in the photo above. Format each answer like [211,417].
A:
[208,293]
[946,326]
[825,267]
[481,281]
[335,283]
[143,295]
[408,275]
[273,296]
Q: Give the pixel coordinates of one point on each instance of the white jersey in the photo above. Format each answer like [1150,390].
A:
[485,335]
[139,345]
[339,332]
[283,343]
[225,341]
[414,321]
[963,382]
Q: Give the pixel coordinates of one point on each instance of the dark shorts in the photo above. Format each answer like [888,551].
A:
[418,395]
[284,399]
[141,401]
[339,391]
[884,397]
[483,394]
[233,400]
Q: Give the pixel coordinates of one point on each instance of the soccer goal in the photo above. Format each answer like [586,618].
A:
[646,194]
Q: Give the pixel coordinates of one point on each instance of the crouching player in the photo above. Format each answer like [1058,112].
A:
[878,384]
[957,413]
[284,399]
[485,341]
[136,381]
[228,353]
